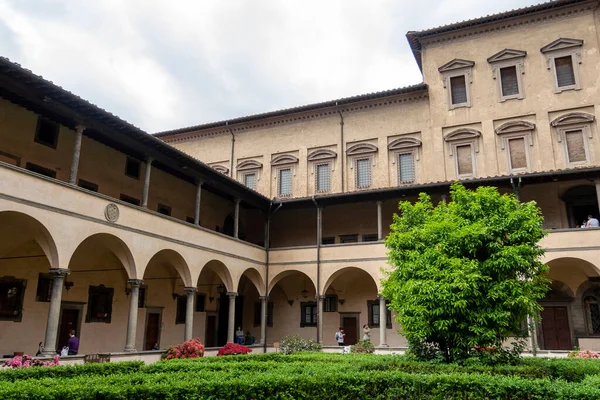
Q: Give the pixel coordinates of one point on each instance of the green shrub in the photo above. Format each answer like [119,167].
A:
[295,344]
[65,371]
[363,346]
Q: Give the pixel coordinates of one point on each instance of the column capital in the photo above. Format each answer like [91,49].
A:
[380,296]
[149,160]
[190,289]
[379,202]
[79,129]
[135,282]
[321,297]
[232,295]
[263,297]
[59,272]
[199,183]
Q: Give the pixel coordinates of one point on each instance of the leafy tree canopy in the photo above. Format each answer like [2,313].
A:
[465,273]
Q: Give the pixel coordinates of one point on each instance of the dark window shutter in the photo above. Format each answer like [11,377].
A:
[510,84]
[458,89]
[564,71]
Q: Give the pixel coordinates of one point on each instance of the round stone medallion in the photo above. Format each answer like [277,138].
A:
[111,212]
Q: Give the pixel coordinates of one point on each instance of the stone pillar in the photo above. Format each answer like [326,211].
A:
[133,313]
[263,318]
[320,300]
[146,189]
[236,219]
[197,205]
[382,322]
[189,312]
[231,322]
[76,153]
[58,278]
[379,222]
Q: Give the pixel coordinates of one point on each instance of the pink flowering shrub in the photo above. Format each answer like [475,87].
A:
[26,361]
[584,354]
[233,348]
[190,349]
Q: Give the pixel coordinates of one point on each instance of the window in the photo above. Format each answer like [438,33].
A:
[285,182]
[99,304]
[328,240]
[372,237]
[87,185]
[374,314]
[200,302]
[181,308]
[464,160]
[516,140]
[507,68]
[592,310]
[38,169]
[330,303]
[363,173]
[574,132]
[163,209]
[44,288]
[308,313]
[12,292]
[129,199]
[132,168]
[322,178]
[142,297]
[250,180]
[517,151]
[575,146]
[457,80]
[463,145]
[563,57]
[508,81]
[353,238]
[406,168]
[458,88]
[46,132]
[189,219]
[258,310]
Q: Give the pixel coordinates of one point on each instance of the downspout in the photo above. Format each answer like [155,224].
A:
[341,145]
[318,266]
[267,247]
[232,150]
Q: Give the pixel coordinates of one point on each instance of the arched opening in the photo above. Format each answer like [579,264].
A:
[27,252]
[162,301]
[95,302]
[214,283]
[581,201]
[250,289]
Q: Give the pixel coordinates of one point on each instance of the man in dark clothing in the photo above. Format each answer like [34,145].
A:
[73,343]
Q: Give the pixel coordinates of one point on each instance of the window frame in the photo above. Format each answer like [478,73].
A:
[328,165]
[249,167]
[516,130]
[129,160]
[587,300]
[314,314]
[327,239]
[278,178]
[370,163]
[245,175]
[168,209]
[99,290]
[40,170]
[87,185]
[282,162]
[332,301]
[41,120]
[505,59]
[571,122]
[388,321]
[413,154]
[349,238]
[369,237]
[453,69]
[564,47]
[142,296]
[463,137]
[322,157]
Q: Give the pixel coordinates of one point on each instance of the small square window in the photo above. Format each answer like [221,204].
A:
[163,209]
[44,288]
[46,132]
[129,199]
[285,182]
[374,314]
[38,169]
[371,237]
[330,303]
[458,89]
[92,187]
[132,168]
[565,75]
[509,81]
[250,180]
[322,177]
[349,238]
[363,173]
[200,302]
[328,240]
[406,168]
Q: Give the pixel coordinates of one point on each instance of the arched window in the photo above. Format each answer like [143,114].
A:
[592,311]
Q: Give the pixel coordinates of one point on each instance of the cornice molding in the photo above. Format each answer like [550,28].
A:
[404,143]
[573,118]
[361,148]
[248,164]
[462,133]
[515,126]
[457,63]
[220,168]
[322,154]
[284,159]
[561,43]
[506,54]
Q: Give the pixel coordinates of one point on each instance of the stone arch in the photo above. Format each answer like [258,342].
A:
[573,118]
[253,276]
[515,126]
[17,224]
[284,274]
[361,148]
[329,280]
[221,270]
[174,259]
[115,245]
[404,143]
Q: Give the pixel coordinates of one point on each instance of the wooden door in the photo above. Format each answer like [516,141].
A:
[152,330]
[211,330]
[349,327]
[68,320]
[555,328]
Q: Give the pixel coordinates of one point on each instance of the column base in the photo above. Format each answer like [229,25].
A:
[383,346]
[50,354]
[129,349]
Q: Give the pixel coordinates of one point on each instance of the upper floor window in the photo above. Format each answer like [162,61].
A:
[285,167]
[363,173]
[323,163]
[516,142]
[330,303]
[463,146]
[563,57]
[46,132]
[507,69]
[82,183]
[250,180]
[285,182]
[129,199]
[132,168]
[322,178]
[164,209]
[38,169]
[456,75]
[362,159]
[308,313]
[100,300]
[574,131]
[405,153]
[249,172]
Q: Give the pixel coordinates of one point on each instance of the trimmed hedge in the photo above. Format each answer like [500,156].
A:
[67,371]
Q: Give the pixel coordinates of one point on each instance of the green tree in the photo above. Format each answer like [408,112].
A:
[466,273]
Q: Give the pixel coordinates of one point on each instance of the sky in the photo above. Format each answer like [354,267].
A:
[164,65]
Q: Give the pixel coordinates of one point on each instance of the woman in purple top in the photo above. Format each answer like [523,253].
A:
[73,343]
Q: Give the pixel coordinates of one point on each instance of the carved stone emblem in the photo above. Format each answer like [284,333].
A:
[111,212]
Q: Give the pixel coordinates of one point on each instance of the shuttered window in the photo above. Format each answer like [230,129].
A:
[285,182]
[464,160]
[565,75]
[250,181]
[322,176]
[458,89]
[406,168]
[575,146]
[510,84]
[517,155]
[363,173]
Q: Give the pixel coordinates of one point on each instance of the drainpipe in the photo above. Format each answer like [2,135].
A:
[319,303]
[232,150]
[267,247]
[341,145]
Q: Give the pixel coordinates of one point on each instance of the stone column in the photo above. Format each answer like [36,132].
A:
[197,205]
[236,219]
[382,322]
[379,222]
[58,278]
[231,322]
[133,313]
[263,318]
[320,300]
[146,189]
[76,153]
[189,312]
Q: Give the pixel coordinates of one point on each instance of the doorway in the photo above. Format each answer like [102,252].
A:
[349,323]
[581,201]
[210,338]
[556,332]
[70,318]
[152,329]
